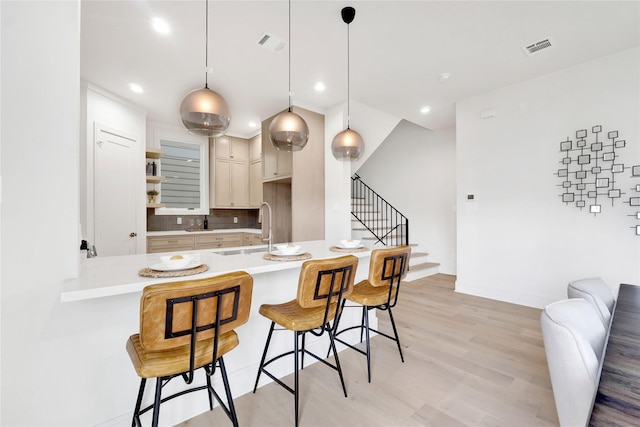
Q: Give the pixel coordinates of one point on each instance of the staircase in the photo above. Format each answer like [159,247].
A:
[378,224]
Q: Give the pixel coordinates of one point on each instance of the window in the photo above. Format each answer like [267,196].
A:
[185,168]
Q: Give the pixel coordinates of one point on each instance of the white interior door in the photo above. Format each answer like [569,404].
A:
[114,192]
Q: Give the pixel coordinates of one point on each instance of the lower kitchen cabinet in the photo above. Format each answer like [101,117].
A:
[250,239]
[157,244]
[214,241]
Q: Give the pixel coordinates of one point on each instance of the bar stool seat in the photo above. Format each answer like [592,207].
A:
[159,364]
[365,293]
[293,317]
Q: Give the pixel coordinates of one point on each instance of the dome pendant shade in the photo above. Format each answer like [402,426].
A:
[288,132]
[347,145]
[205,112]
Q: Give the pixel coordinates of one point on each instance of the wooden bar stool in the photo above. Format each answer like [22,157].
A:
[386,270]
[322,285]
[185,326]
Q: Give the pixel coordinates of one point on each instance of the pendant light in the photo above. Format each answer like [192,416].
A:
[288,131]
[203,111]
[348,144]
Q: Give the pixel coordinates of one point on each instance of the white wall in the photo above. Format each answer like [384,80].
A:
[42,372]
[517,241]
[374,126]
[414,170]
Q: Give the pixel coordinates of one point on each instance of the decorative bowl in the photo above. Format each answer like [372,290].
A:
[175,261]
[350,243]
[288,249]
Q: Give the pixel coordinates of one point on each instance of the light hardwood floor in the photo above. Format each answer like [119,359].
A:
[469,361]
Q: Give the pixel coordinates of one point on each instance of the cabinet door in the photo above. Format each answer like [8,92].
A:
[285,163]
[239,184]
[255,184]
[231,148]
[231,184]
[275,163]
[222,147]
[255,148]
[222,188]
[239,150]
[212,241]
[157,244]
[269,160]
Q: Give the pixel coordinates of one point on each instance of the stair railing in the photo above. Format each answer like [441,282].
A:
[379,217]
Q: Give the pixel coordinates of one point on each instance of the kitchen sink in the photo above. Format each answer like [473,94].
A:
[245,251]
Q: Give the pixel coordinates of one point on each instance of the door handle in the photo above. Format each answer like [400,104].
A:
[133,234]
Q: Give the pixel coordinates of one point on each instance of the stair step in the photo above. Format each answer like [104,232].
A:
[422,270]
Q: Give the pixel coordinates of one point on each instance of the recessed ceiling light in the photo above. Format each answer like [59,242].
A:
[160,25]
[444,77]
[135,88]
[319,87]
[425,109]
[252,124]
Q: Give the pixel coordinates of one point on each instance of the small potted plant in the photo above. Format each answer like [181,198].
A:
[152,195]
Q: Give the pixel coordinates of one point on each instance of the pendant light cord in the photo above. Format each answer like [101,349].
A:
[289,55]
[206,46]
[348,77]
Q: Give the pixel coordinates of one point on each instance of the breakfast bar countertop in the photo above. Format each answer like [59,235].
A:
[117,275]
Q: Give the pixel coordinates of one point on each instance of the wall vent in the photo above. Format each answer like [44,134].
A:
[271,42]
[537,46]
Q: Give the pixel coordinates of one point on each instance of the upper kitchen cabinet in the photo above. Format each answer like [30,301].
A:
[255,148]
[231,148]
[275,164]
[229,160]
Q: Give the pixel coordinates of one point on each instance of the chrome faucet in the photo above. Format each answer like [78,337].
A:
[270,238]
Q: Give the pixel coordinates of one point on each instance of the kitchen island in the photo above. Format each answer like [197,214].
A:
[106,295]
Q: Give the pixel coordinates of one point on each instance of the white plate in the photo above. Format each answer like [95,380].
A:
[341,246]
[278,253]
[161,267]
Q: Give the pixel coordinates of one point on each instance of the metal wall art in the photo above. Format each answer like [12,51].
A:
[591,171]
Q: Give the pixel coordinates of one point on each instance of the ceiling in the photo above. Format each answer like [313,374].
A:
[398,50]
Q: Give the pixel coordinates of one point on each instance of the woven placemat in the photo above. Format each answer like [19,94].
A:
[271,257]
[348,250]
[149,272]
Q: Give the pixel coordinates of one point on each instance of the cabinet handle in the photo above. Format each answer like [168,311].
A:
[133,234]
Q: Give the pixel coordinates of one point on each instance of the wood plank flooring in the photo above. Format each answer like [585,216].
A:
[469,361]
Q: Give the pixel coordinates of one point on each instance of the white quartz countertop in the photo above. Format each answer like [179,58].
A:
[109,276]
[196,233]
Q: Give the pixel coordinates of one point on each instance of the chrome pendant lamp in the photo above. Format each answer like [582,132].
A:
[203,111]
[288,131]
[348,144]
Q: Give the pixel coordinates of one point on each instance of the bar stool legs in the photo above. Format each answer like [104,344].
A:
[298,365]
[321,287]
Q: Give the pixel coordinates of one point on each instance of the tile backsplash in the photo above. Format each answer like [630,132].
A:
[218,219]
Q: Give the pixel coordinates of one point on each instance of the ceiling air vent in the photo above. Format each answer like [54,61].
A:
[537,47]
[270,42]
